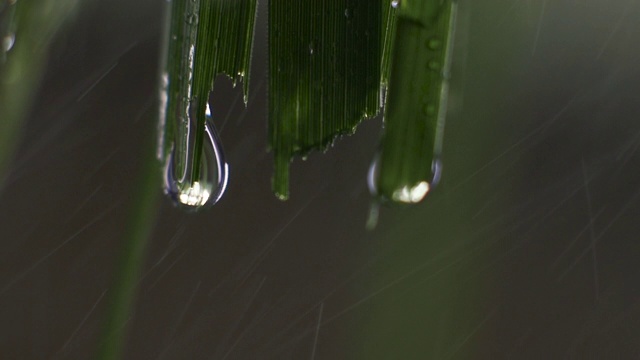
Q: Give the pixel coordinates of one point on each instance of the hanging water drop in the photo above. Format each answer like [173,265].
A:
[192,19]
[195,170]
[429,109]
[434,44]
[210,182]
[408,193]
[8,41]
[395,4]
[312,47]
[433,65]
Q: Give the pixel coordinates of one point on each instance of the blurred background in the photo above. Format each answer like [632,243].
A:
[527,250]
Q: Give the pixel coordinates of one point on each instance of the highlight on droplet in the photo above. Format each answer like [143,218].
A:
[413,194]
[408,165]
[195,171]
[407,194]
[211,184]
[8,41]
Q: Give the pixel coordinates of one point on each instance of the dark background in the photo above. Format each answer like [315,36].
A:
[527,250]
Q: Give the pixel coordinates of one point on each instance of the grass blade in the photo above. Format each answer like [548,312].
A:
[324,65]
[26,31]
[416,105]
[137,233]
[203,39]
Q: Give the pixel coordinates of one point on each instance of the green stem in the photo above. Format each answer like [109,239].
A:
[138,230]
[203,39]
[324,74]
[416,105]
[29,27]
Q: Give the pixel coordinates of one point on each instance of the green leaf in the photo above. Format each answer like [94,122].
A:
[203,39]
[26,31]
[417,96]
[324,74]
[137,233]
[389,26]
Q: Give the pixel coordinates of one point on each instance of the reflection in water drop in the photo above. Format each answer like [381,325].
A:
[8,41]
[8,26]
[372,218]
[195,171]
[434,44]
[411,194]
[211,183]
[192,19]
[408,166]
[312,47]
[408,194]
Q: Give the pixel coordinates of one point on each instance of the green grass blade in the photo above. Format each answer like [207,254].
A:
[324,74]
[389,26]
[203,39]
[26,31]
[140,223]
[416,103]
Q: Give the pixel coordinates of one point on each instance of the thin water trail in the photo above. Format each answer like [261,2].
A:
[614,31]
[26,272]
[536,39]
[473,332]
[97,81]
[253,265]
[166,271]
[632,200]
[315,338]
[575,239]
[84,320]
[257,320]
[183,313]
[592,232]
[173,244]
[245,310]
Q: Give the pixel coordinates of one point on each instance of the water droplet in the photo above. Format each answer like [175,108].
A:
[8,41]
[436,171]
[192,19]
[312,47]
[434,44]
[429,109]
[395,3]
[409,194]
[209,187]
[374,214]
[373,174]
[434,65]
[348,13]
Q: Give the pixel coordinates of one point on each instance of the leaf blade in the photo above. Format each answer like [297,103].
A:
[416,106]
[325,65]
